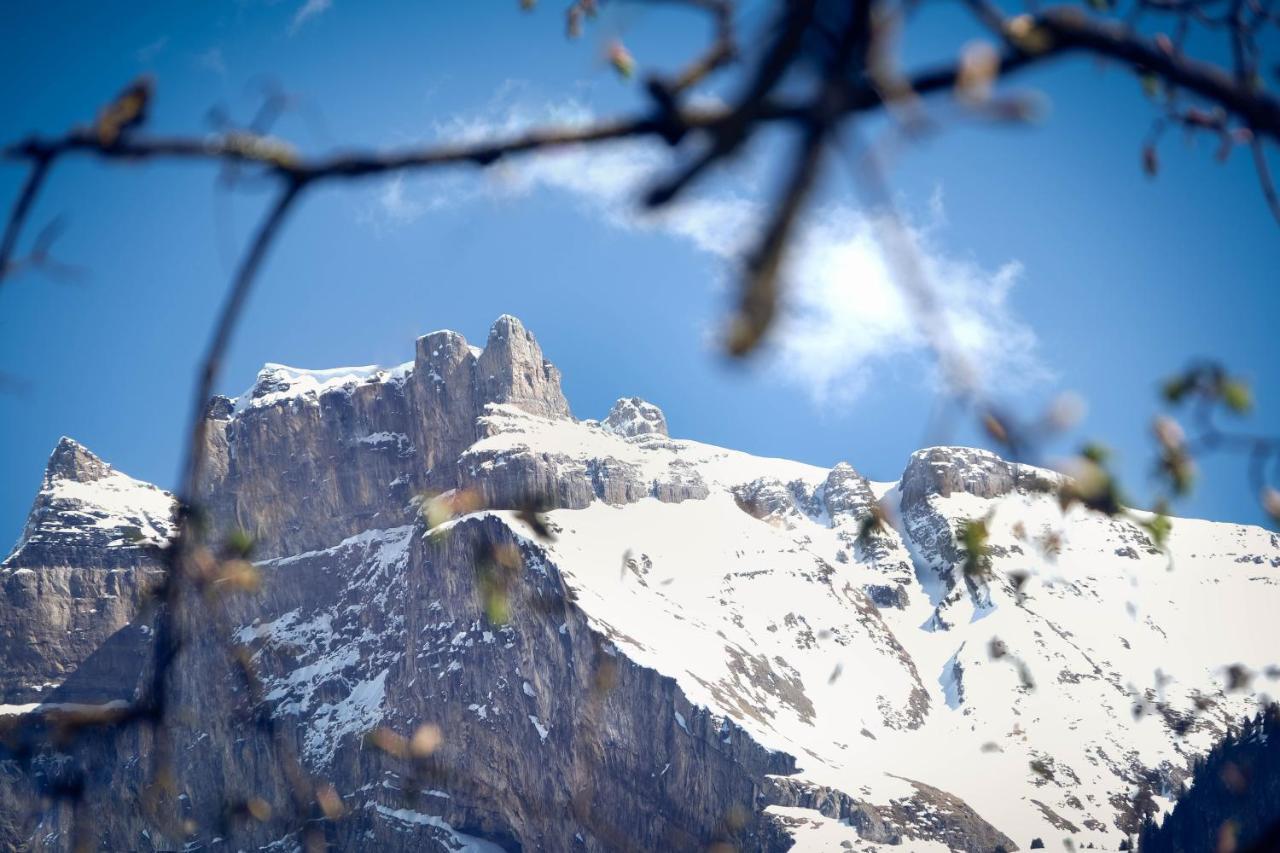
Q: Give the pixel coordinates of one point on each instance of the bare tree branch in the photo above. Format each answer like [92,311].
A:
[228,318]
[21,209]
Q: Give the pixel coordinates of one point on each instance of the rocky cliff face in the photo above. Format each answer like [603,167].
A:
[702,646]
[308,457]
[77,577]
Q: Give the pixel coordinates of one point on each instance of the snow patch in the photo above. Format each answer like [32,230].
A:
[279,382]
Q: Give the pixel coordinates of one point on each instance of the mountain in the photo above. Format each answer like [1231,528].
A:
[683,646]
[76,578]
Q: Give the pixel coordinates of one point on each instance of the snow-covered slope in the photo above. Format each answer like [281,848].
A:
[1048,700]
[85,502]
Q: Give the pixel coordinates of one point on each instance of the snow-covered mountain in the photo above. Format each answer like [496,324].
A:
[708,646]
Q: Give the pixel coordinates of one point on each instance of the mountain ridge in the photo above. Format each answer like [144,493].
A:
[846,686]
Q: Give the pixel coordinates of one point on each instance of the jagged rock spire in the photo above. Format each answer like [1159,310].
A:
[847,494]
[512,369]
[68,516]
[71,460]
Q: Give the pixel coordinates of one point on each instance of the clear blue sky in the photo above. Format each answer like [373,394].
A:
[1120,279]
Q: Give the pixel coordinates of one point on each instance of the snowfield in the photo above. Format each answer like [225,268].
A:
[765,622]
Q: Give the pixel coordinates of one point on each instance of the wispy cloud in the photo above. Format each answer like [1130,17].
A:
[392,206]
[307,11]
[843,317]
[148,52]
[396,205]
[400,202]
[212,60]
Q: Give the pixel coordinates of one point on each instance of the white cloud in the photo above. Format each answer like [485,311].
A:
[396,205]
[843,315]
[307,11]
[846,314]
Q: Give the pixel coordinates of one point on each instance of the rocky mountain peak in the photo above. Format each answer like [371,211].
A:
[443,346]
[307,455]
[71,460]
[847,493]
[276,383]
[631,416]
[76,578]
[512,369]
[84,502]
[943,471]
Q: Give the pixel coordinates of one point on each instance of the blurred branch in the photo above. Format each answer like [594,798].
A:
[228,318]
[21,209]
[722,50]
[179,567]
[1265,180]
[1069,29]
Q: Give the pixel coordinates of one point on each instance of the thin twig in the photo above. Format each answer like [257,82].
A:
[228,318]
[21,209]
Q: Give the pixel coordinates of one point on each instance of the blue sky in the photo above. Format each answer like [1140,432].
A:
[1065,266]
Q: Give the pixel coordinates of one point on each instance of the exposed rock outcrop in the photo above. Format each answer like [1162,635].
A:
[862,816]
[943,471]
[84,505]
[860,521]
[778,503]
[632,416]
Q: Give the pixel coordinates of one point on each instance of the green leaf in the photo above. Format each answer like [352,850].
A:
[1159,527]
[497,607]
[239,543]
[1236,396]
[1095,453]
[973,541]
[1176,388]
